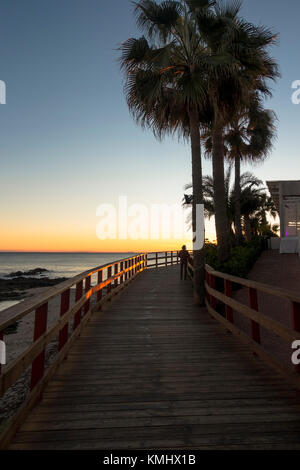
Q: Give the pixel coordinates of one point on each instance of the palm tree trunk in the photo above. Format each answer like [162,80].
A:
[221,217]
[237,200]
[198,254]
[247,227]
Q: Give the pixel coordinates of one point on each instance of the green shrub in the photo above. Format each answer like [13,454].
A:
[241,260]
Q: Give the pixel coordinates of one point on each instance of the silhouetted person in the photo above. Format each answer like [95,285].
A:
[184,258]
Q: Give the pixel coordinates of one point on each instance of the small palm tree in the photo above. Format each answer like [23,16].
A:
[255,206]
[255,203]
[249,138]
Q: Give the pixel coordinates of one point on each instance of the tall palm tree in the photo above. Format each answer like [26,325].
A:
[240,63]
[166,87]
[249,138]
[180,76]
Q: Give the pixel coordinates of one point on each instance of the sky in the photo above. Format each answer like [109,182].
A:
[68,143]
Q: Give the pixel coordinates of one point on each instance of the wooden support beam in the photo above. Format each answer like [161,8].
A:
[228,293]
[87,288]
[109,276]
[64,307]
[253,304]
[212,283]
[40,327]
[78,295]
[116,270]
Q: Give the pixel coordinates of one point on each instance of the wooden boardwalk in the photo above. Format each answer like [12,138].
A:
[153,371]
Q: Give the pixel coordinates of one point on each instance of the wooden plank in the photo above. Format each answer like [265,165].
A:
[14,423]
[153,371]
[162,432]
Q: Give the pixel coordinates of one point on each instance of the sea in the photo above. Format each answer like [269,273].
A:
[57,264]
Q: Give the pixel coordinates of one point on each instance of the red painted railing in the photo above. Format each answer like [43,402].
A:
[257,319]
[92,290]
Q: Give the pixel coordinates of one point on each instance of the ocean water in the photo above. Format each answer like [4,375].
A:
[57,264]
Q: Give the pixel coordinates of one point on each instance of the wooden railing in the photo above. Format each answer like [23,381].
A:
[166,258]
[93,289]
[251,312]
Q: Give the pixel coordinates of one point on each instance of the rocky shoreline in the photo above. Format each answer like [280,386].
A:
[14,285]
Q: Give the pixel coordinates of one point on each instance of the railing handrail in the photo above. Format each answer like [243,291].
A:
[124,269]
[14,313]
[11,314]
[251,312]
[119,274]
[277,291]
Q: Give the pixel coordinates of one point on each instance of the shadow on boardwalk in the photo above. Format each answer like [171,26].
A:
[153,371]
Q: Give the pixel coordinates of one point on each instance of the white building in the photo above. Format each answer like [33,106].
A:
[286,196]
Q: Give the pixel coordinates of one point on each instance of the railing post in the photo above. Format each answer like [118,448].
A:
[253,303]
[122,275]
[64,307]
[126,266]
[108,276]
[207,282]
[156,260]
[129,268]
[40,327]
[213,301]
[100,280]
[87,288]
[171,258]
[78,295]
[1,339]
[116,282]
[296,323]
[166,258]
[146,261]
[228,293]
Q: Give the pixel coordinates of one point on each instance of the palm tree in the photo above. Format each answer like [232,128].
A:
[255,206]
[179,77]
[249,138]
[166,86]
[239,63]
[255,203]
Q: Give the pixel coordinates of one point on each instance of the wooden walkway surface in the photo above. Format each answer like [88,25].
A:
[152,372]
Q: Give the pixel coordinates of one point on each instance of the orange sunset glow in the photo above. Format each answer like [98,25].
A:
[48,242]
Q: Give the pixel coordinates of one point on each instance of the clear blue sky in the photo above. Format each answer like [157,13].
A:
[68,142]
